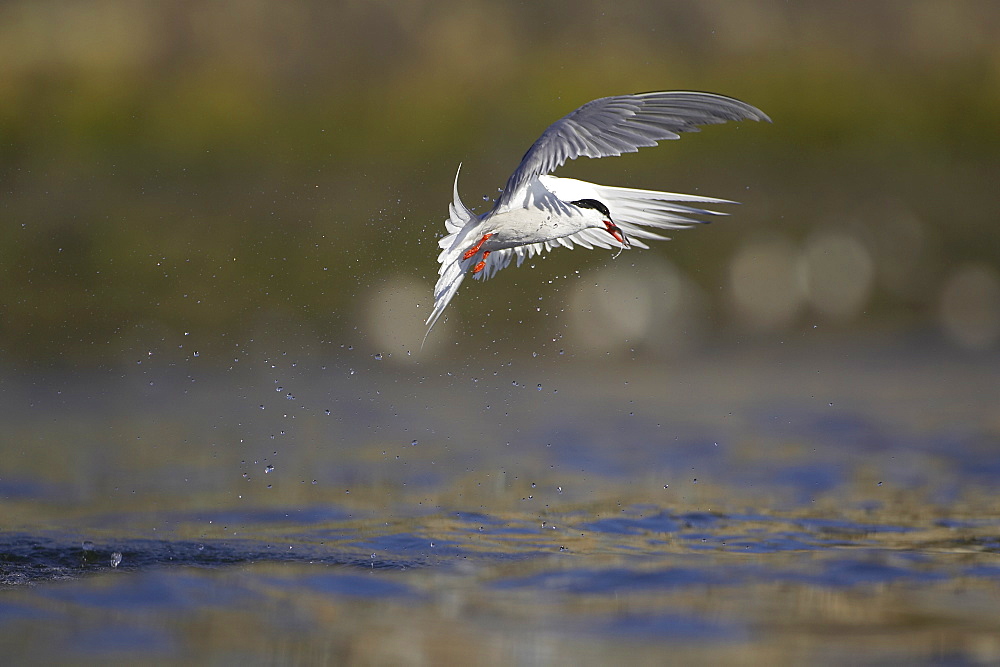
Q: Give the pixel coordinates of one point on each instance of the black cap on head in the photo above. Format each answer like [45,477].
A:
[592,203]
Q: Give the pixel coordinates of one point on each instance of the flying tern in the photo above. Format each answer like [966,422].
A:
[537,212]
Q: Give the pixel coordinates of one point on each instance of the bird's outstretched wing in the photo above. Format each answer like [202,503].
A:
[637,212]
[623,124]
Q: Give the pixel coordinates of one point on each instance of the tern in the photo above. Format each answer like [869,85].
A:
[537,212]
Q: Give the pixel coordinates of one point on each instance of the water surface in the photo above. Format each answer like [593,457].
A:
[755,506]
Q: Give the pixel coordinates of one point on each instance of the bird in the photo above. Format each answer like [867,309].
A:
[537,212]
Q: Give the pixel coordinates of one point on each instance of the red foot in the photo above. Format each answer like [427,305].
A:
[474,249]
[482,265]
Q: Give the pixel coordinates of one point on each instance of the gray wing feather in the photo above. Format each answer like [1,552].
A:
[623,124]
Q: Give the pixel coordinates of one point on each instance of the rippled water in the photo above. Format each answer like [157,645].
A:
[810,504]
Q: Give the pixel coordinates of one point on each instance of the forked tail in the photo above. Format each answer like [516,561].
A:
[452,270]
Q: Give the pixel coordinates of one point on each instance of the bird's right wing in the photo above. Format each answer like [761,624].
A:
[634,211]
[623,124]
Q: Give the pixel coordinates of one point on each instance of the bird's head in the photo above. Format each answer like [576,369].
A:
[601,219]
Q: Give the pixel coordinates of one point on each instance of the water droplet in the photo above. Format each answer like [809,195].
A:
[326,411]
[413,444]
[268,469]
[378,356]
[116,559]
[289,396]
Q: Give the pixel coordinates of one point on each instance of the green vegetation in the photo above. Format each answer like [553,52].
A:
[207,169]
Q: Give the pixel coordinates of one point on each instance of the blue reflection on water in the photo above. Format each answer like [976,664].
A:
[660,523]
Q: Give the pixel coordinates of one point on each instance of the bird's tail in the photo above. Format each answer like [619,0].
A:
[452,270]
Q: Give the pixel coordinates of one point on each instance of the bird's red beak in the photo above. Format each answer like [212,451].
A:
[616,231]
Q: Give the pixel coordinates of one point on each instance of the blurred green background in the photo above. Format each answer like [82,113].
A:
[196,177]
